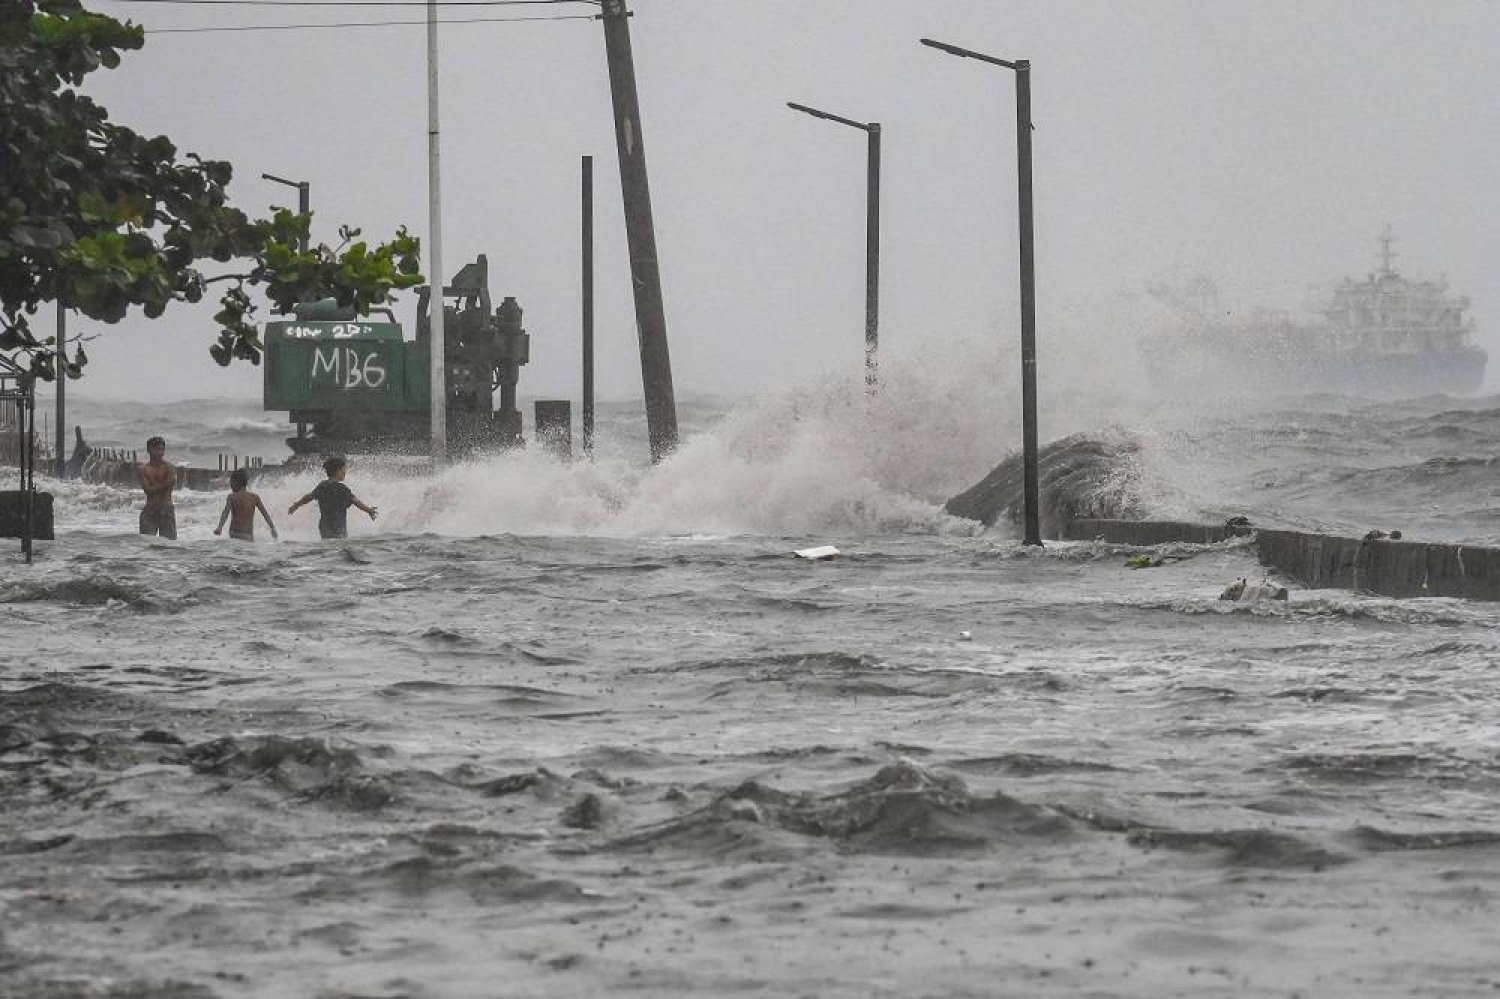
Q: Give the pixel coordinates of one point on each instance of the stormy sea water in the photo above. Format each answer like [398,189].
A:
[584,728]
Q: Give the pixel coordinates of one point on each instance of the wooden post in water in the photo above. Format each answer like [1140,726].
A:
[640,234]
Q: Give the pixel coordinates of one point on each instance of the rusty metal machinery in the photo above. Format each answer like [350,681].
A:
[484,350]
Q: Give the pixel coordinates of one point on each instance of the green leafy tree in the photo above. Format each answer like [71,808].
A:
[101,218]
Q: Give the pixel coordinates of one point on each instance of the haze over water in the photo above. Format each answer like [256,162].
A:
[552,729]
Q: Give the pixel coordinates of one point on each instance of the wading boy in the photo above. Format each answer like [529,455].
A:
[158,477]
[334,500]
[240,507]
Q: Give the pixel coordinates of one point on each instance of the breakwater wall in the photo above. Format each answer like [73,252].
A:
[122,471]
[1325,561]
[120,466]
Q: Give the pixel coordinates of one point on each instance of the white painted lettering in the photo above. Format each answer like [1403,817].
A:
[374,371]
[325,363]
[346,369]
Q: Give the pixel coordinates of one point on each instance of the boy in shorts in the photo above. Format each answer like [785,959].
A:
[240,507]
[334,500]
[158,477]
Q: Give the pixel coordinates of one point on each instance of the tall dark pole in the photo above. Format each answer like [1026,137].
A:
[62,383]
[872,234]
[304,205]
[872,257]
[640,234]
[1030,491]
[437,334]
[588,305]
[1028,303]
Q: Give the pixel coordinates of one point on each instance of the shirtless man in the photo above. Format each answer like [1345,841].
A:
[240,507]
[157,478]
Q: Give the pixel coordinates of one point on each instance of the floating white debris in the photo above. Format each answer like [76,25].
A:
[820,552]
[1247,592]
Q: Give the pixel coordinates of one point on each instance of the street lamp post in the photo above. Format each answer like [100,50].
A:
[872,233]
[1022,69]
[304,196]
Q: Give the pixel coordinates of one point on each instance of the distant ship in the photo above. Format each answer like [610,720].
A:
[1384,337]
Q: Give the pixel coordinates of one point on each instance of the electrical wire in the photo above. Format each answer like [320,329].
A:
[361,3]
[368,24]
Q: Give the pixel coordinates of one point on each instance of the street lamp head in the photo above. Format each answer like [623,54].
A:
[945,47]
[964,53]
[805,109]
[300,185]
[864,126]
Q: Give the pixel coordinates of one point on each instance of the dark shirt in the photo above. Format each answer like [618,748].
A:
[334,500]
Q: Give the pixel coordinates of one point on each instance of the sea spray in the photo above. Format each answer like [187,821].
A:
[812,461]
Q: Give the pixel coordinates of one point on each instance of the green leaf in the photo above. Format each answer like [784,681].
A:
[113,221]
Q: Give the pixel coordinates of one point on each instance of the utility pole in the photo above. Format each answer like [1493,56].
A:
[588,305]
[640,234]
[438,374]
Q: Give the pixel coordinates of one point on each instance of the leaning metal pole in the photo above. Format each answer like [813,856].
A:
[640,234]
[439,390]
[1033,527]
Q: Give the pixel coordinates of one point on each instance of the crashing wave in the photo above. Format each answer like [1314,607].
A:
[1082,475]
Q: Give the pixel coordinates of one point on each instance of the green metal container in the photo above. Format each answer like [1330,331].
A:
[343,365]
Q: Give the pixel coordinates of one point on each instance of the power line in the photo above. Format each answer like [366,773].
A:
[368,24]
[361,3]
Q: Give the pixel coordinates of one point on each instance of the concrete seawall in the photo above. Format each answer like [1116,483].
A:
[1325,561]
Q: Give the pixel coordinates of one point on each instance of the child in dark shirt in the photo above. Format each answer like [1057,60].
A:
[334,500]
[240,507]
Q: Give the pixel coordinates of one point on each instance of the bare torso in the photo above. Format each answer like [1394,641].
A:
[242,506]
[157,479]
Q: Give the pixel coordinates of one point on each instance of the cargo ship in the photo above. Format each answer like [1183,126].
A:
[1381,337]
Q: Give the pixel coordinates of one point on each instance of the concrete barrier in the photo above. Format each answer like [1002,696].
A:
[1149,532]
[1326,561]
[13,518]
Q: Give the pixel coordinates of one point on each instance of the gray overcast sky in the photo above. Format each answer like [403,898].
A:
[1263,144]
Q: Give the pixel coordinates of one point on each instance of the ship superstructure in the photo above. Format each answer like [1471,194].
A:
[1384,336]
